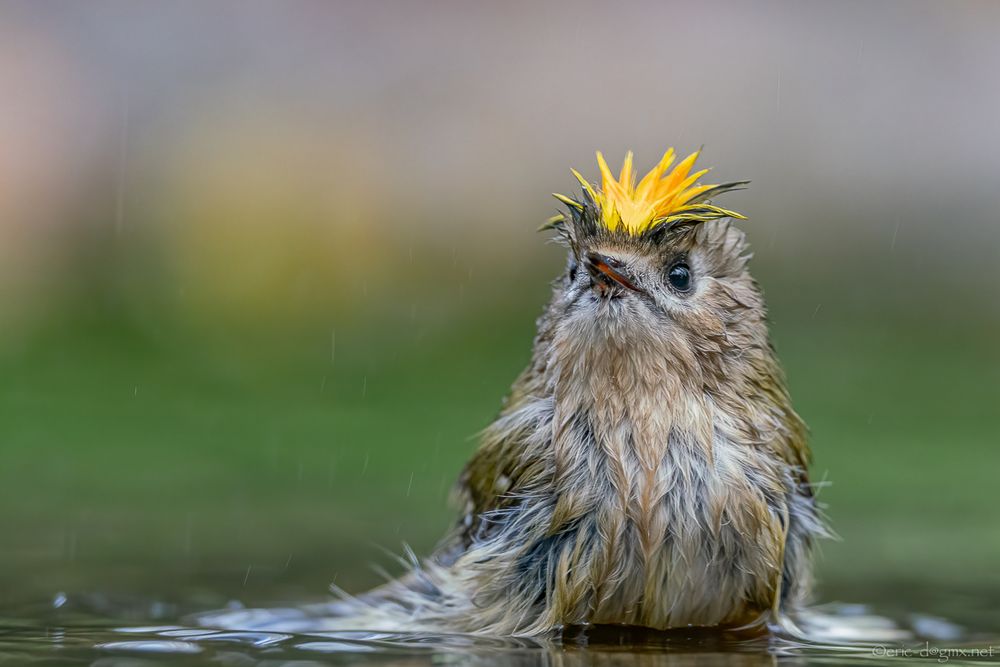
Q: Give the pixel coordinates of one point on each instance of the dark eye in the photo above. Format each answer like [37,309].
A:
[679,276]
[572,269]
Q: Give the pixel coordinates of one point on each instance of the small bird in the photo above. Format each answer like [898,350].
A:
[647,468]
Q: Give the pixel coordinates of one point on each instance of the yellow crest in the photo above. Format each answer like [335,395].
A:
[660,196]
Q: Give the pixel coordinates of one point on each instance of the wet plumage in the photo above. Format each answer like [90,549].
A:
[647,467]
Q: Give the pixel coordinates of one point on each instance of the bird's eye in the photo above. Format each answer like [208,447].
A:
[679,276]
[572,269]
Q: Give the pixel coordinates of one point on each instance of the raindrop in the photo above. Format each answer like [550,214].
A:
[71,545]
[188,535]
[777,94]
[122,168]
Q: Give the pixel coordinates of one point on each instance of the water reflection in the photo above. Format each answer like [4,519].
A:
[593,647]
[830,634]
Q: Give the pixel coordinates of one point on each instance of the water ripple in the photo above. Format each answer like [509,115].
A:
[821,635]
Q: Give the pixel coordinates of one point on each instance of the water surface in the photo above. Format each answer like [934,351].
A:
[101,630]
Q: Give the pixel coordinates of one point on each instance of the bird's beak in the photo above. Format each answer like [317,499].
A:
[608,271]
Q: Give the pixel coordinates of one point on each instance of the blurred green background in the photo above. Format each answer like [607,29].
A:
[266,269]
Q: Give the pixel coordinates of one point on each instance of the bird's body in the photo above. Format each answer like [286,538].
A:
[647,467]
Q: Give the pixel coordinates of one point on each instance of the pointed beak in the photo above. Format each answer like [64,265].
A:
[608,271]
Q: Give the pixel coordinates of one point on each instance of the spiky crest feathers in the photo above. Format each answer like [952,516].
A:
[660,199]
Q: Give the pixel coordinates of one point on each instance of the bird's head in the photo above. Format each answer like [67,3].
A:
[655,266]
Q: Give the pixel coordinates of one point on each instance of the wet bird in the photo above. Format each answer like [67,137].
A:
[647,467]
